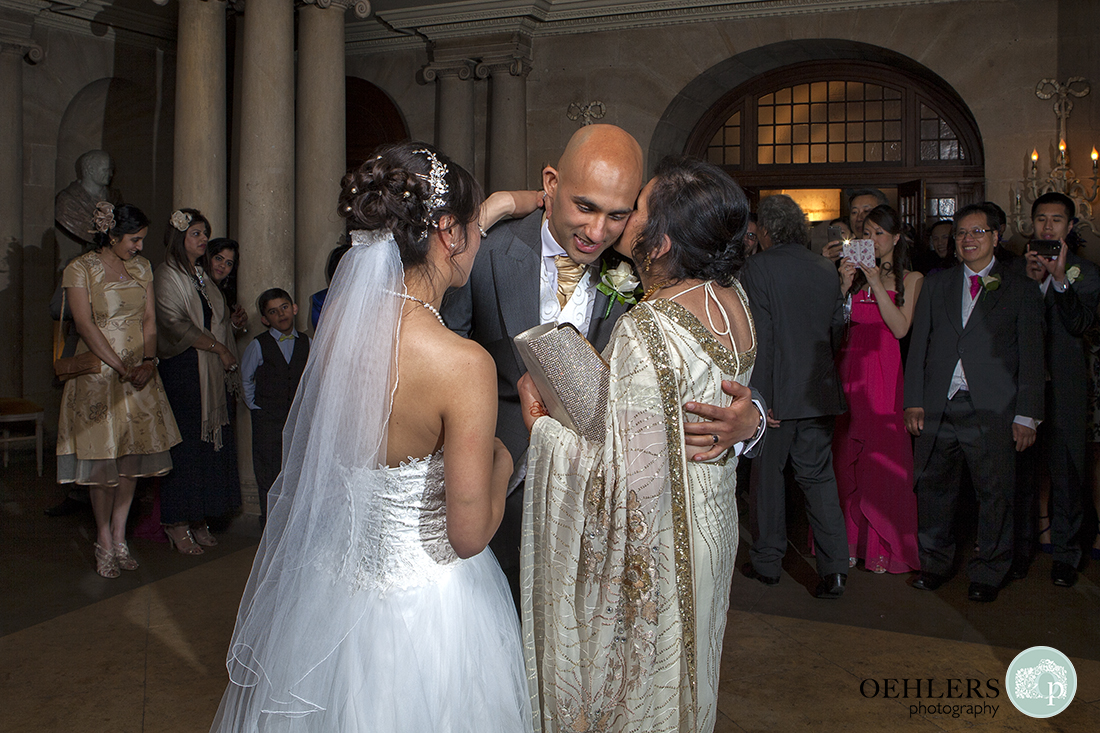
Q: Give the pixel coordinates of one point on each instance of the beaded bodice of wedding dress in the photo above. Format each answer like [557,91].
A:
[404,544]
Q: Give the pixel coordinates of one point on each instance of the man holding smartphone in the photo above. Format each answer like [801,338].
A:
[1071,290]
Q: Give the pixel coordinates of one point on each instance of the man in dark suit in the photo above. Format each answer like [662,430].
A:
[544,269]
[799,313]
[1071,291]
[973,396]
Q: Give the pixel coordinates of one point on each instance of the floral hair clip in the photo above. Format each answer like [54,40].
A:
[104,217]
[437,183]
[180,220]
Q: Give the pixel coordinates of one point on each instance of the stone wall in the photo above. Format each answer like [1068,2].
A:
[110,93]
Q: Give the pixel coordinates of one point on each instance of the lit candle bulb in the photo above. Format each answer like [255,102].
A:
[1062,151]
[1034,160]
[1095,155]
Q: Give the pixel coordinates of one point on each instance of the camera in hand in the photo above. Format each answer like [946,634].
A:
[1049,248]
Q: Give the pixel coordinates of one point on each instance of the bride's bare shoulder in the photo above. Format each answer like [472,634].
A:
[439,351]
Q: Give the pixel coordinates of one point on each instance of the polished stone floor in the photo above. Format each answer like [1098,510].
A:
[145,652]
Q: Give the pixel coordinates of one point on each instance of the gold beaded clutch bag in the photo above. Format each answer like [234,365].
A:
[570,375]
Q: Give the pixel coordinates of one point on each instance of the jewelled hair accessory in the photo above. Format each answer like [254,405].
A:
[367,237]
[104,217]
[180,220]
[437,183]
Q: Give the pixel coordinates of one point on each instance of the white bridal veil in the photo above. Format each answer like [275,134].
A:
[295,611]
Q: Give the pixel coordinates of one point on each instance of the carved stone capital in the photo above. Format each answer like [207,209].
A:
[24,47]
[463,70]
[515,66]
[362,7]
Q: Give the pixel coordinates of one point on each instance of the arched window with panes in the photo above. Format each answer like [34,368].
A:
[848,124]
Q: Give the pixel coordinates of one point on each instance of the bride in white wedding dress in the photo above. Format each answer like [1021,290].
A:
[373,603]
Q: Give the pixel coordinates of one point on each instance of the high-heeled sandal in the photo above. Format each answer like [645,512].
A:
[1047,547]
[182,540]
[125,560]
[202,535]
[106,564]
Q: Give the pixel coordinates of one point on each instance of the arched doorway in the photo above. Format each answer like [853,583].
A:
[372,120]
[837,115]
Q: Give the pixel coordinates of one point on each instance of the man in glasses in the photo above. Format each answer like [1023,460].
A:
[973,398]
[1071,289]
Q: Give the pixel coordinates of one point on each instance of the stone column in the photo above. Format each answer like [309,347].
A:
[266,184]
[507,150]
[199,162]
[12,52]
[454,109]
[321,153]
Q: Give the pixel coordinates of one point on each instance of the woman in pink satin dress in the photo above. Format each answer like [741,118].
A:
[872,452]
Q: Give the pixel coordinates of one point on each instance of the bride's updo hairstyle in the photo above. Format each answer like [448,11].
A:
[395,190]
[704,213]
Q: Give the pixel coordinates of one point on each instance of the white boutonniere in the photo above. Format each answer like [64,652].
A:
[621,285]
[1073,274]
[991,282]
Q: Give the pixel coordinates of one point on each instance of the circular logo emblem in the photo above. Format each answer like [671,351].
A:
[1041,682]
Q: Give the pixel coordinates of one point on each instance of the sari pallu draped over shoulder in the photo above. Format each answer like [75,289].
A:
[180,325]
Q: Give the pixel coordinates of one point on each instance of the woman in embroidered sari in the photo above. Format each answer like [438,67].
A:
[628,547]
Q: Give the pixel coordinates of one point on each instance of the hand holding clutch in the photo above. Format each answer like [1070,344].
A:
[569,376]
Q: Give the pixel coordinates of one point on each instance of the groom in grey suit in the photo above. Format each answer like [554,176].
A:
[518,282]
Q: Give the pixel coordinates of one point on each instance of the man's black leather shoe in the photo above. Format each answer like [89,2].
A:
[983,593]
[929,581]
[751,572]
[1019,569]
[1063,574]
[831,586]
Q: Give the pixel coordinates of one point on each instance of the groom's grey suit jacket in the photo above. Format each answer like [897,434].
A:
[501,301]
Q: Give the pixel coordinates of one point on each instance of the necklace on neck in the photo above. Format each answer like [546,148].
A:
[108,266]
[429,306]
[654,288]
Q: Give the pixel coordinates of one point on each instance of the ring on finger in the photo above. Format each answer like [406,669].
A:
[715,436]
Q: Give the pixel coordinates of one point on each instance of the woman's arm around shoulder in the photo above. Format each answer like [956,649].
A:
[477,465]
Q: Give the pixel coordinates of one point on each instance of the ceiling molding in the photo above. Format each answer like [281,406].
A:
[567,17]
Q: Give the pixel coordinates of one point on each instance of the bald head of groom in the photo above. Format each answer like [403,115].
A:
[592,191]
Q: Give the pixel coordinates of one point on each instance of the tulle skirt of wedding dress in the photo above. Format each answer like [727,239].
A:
[438,658]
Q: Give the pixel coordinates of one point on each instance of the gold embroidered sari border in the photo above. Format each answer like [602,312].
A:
[646,319]
[733,363]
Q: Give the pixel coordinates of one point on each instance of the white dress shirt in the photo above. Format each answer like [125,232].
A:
[578,309]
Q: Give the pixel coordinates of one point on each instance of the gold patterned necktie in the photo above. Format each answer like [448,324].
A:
[569,274]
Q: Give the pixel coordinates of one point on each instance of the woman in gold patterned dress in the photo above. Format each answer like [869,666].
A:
[628,547]
[115,425]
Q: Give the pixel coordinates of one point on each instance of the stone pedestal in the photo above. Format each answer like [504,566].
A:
[266,184]
[321,152]
[12,52]
[199,164]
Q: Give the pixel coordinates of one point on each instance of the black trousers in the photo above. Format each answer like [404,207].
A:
[1066,512]
[267,453]
[809,445]
[965,440]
